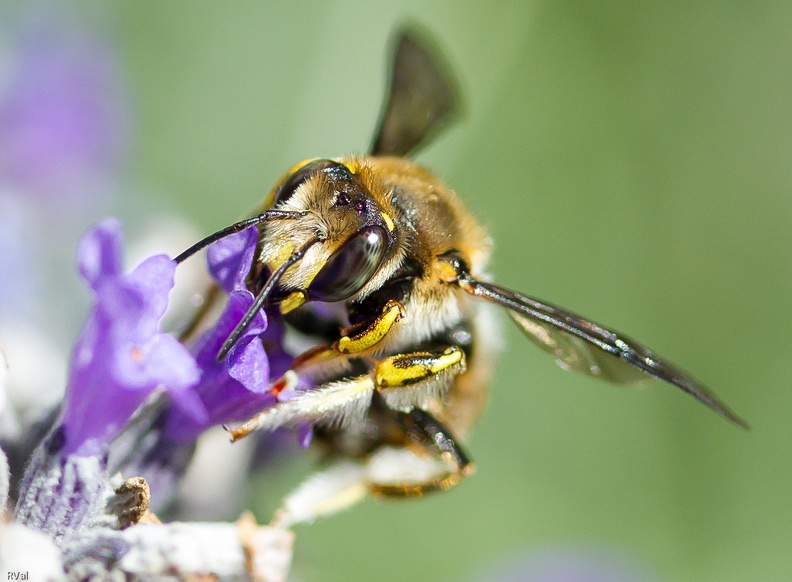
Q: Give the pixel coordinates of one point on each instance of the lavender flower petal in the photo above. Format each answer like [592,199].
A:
[231,390]
[230,259]
[120,358]
[121,355]
[100,255]
[235,388]
[305,434]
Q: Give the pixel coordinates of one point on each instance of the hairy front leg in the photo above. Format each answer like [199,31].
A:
[406,381]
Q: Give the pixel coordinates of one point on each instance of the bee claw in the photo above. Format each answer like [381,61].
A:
[242,431]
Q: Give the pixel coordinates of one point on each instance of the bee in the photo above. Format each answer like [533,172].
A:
[381,262]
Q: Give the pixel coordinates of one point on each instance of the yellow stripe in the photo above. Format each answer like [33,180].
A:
[372,335]
[450,357]
[388,374]
[388,221]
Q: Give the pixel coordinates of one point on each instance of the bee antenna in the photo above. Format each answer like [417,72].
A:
[261,298]
[236,227]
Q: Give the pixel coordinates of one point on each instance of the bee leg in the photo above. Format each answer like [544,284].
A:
[323,493]
[389,472]
[407,382]
[338,403]
[351,344]
[404,381]
[392,312]
[428,432]
[405,369]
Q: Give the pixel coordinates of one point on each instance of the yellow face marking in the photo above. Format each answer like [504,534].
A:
[351,168]
[374,333]
[388,221]
[283,254]
[292,302]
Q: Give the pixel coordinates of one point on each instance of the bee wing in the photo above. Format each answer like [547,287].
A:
[423,97]
[590,348]
[573,353]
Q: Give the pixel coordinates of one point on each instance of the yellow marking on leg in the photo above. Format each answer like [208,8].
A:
[404,369]
[373,334]
[444,483]
[347,345]
[354,344]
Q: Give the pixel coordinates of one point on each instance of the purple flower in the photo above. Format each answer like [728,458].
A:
[235,388]
[63,115]
[121,355]
[230,259]
[120,358]
[239,386]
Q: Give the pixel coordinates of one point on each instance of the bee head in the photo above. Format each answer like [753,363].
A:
[348,234]
[325,238]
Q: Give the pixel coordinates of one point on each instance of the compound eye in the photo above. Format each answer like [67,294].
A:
[351,266]
[295,180]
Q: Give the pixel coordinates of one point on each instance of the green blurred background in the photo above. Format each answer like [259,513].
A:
[632,161]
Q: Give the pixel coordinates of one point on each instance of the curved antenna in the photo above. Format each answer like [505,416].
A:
[236,227]
[261,298]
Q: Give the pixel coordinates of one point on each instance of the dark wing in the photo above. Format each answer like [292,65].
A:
[423,97]
[590,348]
